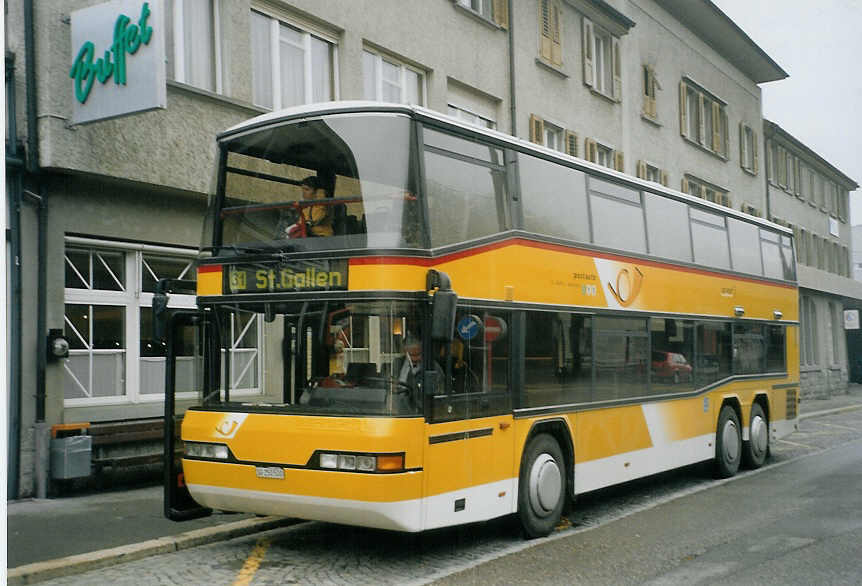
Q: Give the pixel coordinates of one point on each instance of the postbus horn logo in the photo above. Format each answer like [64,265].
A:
[127,39]
[628,285]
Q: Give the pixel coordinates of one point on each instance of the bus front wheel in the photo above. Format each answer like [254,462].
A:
[542,486]
[728,443]
[757,446]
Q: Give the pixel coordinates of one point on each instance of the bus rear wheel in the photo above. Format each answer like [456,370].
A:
[728,443]
[541,486]
[756,448]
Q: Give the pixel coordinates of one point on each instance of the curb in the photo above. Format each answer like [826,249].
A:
[85,562]
[829,411]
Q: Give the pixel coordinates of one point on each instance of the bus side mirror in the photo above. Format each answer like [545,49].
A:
[442,307]
[443,316]
[160,315]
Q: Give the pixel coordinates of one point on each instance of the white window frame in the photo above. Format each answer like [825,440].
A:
[179,44]
[698,120]
[275,56]
[379,58]
[133,299]
[700,188]
[595,64]
[485,7]
[654,170]
[602,151]
[554,133]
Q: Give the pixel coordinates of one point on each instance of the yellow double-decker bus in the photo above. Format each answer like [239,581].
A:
[406,322]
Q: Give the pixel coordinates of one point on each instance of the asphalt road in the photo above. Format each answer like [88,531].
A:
[798,520]
[796,524]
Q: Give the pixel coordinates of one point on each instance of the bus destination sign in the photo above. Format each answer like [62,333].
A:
[318,275]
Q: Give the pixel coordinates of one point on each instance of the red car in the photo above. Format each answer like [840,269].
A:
[671,365]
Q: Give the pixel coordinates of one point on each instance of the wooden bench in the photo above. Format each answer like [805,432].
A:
[123,433]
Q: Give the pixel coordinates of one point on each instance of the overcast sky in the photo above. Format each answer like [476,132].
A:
[818,43]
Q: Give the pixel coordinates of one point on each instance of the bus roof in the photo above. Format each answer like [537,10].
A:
[360,106]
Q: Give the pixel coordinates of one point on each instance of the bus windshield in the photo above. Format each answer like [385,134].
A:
[328,358]
[333,182]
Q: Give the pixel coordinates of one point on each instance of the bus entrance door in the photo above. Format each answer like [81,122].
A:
[469,457]
[189,371]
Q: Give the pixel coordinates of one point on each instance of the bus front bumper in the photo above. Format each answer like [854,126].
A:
[383,501]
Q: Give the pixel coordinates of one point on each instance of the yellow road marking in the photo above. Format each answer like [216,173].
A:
[249,568]
[797,445]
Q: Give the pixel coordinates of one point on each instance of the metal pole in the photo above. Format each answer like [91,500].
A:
[14,170]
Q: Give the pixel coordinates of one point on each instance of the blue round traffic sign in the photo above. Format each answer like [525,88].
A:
[468,327]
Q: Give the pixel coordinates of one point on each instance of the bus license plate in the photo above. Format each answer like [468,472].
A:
[270,472]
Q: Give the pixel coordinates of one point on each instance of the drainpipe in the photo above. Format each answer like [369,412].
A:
[41,431]
[14,170]
[512,112]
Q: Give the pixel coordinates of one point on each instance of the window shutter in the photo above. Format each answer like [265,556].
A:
[501,13]
[589,61]
[619,161]
[725,145]
[683,115]
[545,33]
[701,130]
[641,170]
[664,178]
[571,143]
[743,159]
[537,129]
[556,49]
[684,186]
[617,69]
[590,150]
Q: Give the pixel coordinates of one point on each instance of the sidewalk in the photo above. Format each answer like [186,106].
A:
[853,399]
[132,521]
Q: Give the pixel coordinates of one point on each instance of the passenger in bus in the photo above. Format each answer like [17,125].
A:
[317,218]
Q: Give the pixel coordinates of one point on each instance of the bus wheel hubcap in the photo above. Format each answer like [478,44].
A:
[759,435]
[730,441]
[545,485]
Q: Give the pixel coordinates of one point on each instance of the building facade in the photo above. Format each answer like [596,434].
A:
[809,195]
[667,90]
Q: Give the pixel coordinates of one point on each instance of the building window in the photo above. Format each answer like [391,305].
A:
[699,188]
[603,155]
[290,66]
[113,357]
[651,85]
[549,31]
[553,136]
[703,118]
[650,172]
[810,350]
[196,52]
[387,80]
[602,67]
[748,148]
[493,10]
[470,117]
